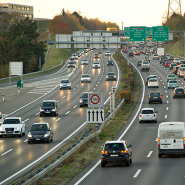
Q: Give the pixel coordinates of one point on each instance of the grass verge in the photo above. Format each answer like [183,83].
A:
[76,163]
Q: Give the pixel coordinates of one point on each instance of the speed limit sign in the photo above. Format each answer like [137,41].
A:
[95,100]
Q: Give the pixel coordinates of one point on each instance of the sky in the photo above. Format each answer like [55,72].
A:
[130,12]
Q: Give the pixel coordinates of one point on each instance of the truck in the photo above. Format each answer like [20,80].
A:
[12,126]
[171,138]
[160,51]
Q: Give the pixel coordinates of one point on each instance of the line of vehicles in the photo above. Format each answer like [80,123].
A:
[42,132]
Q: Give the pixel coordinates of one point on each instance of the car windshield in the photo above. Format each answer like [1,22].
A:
[85,95]
[179,90]
[48,104]
[11,121]
[145,62]
[84,60]
[71,62]
[65,81]
[147,112]
[182,69]
[83,76]
[72,59]
[173,81]
[114,146]
[39,127]
[139,61]
[110,61]
[96,62]
[110,73]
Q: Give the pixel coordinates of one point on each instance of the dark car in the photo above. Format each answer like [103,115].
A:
[125,51]
[155,97]
[99,52]
[49,107]
[171,58]
[71,64]
[111,76]
[139,63]
[145,67]
[130,54]
[172,65]
[163,58]
[40,132]
[110,63]
[147,58]
[84,99]
[116,152]
[179,92]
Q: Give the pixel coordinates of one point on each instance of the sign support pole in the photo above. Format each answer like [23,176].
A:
[9,76]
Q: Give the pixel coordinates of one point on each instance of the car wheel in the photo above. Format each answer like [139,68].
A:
[168,87]
[157,86]
[1,136]
[161,102]
[159,155]
[128,163]
[29,142]
[52,138]
[155,121]
[140,121]
[102,164]
[173,96]
[40,115]
[80,105]
[20,135]
[149,102]
[48,141]
[130,160]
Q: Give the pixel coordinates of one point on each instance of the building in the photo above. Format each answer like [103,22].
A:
[21,11]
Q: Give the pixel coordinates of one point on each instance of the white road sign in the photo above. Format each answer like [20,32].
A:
[170,36]
[95,100]
[94,115]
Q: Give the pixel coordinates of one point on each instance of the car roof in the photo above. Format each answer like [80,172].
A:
[48,100]
[13,118]
[116,141]
[147,109]
[39,123]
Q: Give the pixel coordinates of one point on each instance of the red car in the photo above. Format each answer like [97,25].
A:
[167,64]
[137,52]
[96,55]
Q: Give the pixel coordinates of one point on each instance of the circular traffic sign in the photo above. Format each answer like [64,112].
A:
[95,99]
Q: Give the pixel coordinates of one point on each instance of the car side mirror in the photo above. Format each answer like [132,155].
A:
[129,146]
[102,146]
[156,111]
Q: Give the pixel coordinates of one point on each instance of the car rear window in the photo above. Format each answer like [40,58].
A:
[147,112]
[173,81]
[152,80]
[155,94]
[114,146]
[179,90]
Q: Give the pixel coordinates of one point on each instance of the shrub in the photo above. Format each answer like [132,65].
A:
[125,94]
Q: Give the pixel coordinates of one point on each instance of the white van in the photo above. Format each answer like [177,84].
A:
[171,138]
[181,71]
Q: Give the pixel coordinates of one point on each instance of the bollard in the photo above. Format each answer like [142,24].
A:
[18,89]
[3,96]
[30,83]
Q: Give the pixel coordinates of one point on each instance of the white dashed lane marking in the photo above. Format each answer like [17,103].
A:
[167,108]
[63,96]
[6,152]
[150,153]
[67,112]
[165,116]
[137,173]
[74,106]
[58,119]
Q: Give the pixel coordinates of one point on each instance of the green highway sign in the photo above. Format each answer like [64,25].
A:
[137,33]
[160,33]
[127,32]
[148,31]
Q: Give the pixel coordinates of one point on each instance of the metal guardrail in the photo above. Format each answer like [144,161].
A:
[34,174]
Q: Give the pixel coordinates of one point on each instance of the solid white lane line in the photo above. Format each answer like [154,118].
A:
[167,101]
[75,106]
[165,116]
[67,112]
[167,108]
[137,173]
[58,119]
[26,140]
[77,85]
[150,153]
[37,113]
[63,96]
[6,152]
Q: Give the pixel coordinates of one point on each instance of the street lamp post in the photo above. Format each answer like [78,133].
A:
[38,20]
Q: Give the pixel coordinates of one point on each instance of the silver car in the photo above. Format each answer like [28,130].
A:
[84,62]
[65,84]
[148,114]
[85,78]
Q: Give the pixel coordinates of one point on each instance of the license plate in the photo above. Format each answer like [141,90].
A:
[37,139]
[154,97]
[114,155]
[165,146]
[179,93]
[47,112]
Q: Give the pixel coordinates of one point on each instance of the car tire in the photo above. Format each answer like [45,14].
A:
[155,121]
[29,142]
[173,96]
[128,163]
[161,102]
[102,164]
[149,102]
[48,141]
[52,138]
[40,115]
[80,105]
[140,121]
[20,135]
[1,136]
[159,155]
[130,160]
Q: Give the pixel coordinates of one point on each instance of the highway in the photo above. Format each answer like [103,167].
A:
[146,168]
[16,156]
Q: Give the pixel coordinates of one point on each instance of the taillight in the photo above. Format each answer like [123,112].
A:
[104,152]
[169,83]
[157,82]
[160,96]
[158,141]
[154,114]
[177,82]
[139,115]
[148,81]
[149,97]
[174,92]
[184,140]
[123,151]
[167,78]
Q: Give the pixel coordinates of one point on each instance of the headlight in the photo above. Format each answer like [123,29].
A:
[18,128]
[61,85]
[1,128]
[29,135]
[53,109]
[81,101]
[107,77]
[41,109]
[46,135]
[114,76]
